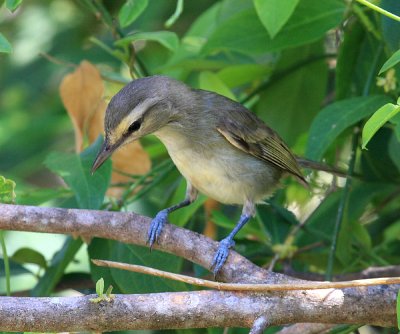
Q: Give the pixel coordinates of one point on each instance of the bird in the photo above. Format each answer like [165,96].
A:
[221,148]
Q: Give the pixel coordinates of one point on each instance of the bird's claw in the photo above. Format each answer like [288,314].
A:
[221,255]
[156,227]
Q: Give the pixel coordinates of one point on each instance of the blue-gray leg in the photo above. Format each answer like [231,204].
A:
[249,210]
[161,218]
[225,244]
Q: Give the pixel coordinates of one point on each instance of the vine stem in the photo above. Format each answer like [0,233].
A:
[379,10]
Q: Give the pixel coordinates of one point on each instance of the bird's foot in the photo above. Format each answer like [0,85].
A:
[156,227]
[222,254]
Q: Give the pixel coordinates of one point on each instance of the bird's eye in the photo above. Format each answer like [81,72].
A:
[134,126]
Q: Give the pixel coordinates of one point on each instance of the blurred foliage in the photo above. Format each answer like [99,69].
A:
[315,71]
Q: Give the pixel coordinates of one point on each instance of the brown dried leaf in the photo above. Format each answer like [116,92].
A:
[82,95]
[131,159]
[81,92]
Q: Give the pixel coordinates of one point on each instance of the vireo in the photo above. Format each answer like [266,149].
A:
[222,149]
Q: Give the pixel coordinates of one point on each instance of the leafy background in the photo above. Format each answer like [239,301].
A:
[311,69]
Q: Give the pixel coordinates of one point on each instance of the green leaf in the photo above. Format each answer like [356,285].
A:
[390,27]
[393,150]
[392,61]
[5,46]
[392,233]
[377,120]
[130,11]
[166,38]
[100,287]
[309,22]
[206,23]
[89,189]
[376,162]
[130,282]
[56,270]
[15,269]
[274,13]
[210,81]
[335,118]
[249,229]
[29,255]
[307,91]
[238,75]
[7,187]
[12,5]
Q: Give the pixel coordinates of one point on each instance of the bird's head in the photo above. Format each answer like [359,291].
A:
[142,107]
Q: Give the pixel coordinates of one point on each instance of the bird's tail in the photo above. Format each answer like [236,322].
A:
[305,163]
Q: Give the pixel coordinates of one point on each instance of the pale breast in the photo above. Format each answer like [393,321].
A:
[221,171]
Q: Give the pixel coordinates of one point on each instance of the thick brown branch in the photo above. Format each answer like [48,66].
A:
[131,228]
[370,305]
[196,309]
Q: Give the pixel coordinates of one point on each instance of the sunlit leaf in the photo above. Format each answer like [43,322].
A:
[335,118]
[377,120]
[274,13]
[7,190]
[100,286]
[131,10]
[237,75]
[392,61]
[166,38]
[210,81]
[5,46]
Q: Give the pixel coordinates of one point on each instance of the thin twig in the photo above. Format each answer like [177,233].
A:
[247,287]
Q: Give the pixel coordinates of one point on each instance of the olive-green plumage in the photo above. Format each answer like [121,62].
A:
[221,148]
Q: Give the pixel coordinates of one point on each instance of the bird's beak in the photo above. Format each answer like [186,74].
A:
[104,153]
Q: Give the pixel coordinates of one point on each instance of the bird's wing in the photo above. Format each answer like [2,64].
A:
[249,134]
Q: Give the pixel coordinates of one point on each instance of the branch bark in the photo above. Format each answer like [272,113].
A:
[180,309]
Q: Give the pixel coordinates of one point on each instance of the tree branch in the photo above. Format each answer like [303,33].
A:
[180,309]
[196,309]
